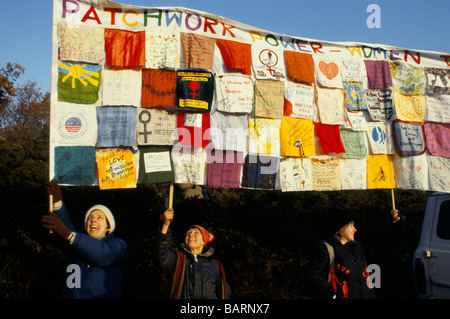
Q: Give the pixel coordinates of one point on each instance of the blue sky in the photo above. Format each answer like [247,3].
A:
[414,24]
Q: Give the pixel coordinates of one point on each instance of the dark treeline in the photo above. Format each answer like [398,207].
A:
[263,238]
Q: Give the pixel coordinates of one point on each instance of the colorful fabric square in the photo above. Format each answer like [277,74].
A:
[438,108]
[79,82]
[237,56]
[410,107]
[300,67]
[75,165]
[301,100]
[193,129]
[264,136]
[326,174]
[75,125]
[121,87]
[439,173]
[329,137]
[159,88]
[328,71]
[438,138]
[224,169]
[198,51]
[411,172]
[409,138]
[162,49]
[116,126]
[155,164]
[268,64]
[380,172]
[189,165]
[357,121]
[437,81]
[297,137]
[378,74]
[330,103]
[295,174]
[234,93]
[353,173]
[379,135]
[124,48]
[269,99]
[229,131]
[156,126]
[116,169]
[380,104]
[354,70]
[354,143]
[408,79]
[195,90]
[355,98]
[259,172]
[80,43]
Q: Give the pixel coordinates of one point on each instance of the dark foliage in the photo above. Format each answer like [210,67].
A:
[262,238]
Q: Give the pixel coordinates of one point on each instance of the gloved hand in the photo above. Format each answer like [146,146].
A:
[52,221]
[54,189]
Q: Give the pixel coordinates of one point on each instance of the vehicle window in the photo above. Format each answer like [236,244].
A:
[443,227]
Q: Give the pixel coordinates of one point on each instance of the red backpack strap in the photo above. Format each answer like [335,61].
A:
[223,281]
[178,276]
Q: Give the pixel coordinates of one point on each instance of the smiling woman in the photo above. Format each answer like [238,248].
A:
[100,256]
[99,221]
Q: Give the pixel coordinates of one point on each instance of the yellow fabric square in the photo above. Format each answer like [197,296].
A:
[297,137]
[380,171]
[116,169]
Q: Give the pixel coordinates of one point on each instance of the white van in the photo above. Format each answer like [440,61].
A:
[432,256]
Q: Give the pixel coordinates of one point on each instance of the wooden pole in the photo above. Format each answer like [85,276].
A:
[50,204]
[393,199]
[171,195]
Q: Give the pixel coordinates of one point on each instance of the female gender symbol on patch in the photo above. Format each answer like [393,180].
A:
[270,59]
[194,86]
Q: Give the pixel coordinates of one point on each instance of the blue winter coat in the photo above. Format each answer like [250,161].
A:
[101,263]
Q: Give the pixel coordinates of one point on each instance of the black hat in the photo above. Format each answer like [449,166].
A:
[338,218]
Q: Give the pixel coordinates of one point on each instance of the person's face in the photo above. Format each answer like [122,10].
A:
[97,225]
[349,233]
[194,240]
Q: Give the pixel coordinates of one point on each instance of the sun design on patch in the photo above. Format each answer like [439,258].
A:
[76,71]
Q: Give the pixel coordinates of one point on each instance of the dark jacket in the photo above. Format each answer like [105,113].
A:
[202,279]
[348,277]
[100,261]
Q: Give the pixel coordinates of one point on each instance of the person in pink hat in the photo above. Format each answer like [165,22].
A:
[193,272]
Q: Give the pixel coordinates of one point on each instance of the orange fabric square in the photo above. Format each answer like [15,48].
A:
[124,48]
[236,55]
[299,66]
[159,88]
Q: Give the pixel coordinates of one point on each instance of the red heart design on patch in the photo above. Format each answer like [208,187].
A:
[330,70]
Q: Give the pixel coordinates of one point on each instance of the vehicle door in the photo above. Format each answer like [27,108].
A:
[439,253]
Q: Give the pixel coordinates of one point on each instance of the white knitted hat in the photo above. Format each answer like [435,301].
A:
[108,214]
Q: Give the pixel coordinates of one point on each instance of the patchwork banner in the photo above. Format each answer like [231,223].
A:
[151,95]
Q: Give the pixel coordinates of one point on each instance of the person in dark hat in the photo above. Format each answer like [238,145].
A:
[338,266]
[97,268]
[194,273]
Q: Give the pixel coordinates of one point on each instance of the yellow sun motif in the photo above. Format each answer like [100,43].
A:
[77,71]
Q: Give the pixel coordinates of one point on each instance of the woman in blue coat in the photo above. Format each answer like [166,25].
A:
[97,269]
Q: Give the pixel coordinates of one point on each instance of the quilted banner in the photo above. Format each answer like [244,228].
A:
[136,88]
